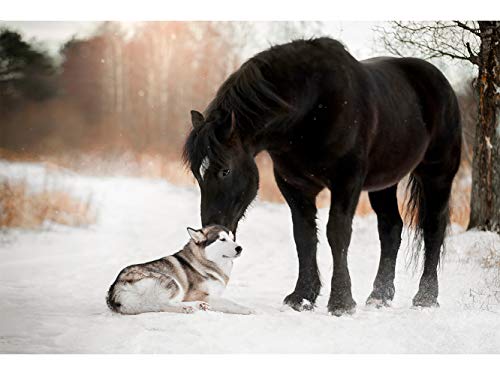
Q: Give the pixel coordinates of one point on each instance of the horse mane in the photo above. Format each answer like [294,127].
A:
[247,94]
[250,95]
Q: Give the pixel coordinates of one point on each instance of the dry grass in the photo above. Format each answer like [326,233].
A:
[486,295]
[155,165]
[459,204]
[460,196]
[20,208]
[492,259]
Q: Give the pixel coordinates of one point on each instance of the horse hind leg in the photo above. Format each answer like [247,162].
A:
[433,217]
[390,226]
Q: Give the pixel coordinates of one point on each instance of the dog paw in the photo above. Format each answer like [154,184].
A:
[246,311]
[203,306]
[188,309]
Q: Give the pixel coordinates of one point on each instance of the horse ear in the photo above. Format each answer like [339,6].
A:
[233,123]
[197,119]
[225,130]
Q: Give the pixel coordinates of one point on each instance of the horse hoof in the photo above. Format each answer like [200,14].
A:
[298,303]
[425,302]
[378,302]
[342,311]
[339,309]
[380,298]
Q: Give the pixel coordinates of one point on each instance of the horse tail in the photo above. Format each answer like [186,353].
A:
[414,216]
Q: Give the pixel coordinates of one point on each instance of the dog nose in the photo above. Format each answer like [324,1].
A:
[238,249]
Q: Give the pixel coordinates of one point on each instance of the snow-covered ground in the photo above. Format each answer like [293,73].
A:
[53,283]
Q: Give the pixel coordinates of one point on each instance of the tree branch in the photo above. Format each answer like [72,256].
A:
[451,39]
[465,27]
[474,58]
[434,52]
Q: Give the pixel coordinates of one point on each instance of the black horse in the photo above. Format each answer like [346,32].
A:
[328,120]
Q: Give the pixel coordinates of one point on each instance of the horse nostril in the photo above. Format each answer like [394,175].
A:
[238,249]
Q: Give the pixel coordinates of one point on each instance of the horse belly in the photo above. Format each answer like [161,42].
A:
[390,163]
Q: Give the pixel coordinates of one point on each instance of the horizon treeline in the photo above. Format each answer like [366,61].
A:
[113,90]
[123,89]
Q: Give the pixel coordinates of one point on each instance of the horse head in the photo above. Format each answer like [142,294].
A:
[225,170]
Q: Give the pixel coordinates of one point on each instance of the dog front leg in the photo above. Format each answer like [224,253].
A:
[228,307]
[185,307]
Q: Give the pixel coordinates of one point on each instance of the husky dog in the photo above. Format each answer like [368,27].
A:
[189,280]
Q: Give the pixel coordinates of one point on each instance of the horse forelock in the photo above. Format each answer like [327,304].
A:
[203,149]
[205,164]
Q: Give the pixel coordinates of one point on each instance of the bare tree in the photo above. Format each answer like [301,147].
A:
[477,42]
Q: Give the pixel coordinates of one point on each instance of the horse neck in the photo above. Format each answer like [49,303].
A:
[261,135]
[253,143]
[260,132]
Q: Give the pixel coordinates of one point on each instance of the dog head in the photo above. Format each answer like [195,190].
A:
[217,243]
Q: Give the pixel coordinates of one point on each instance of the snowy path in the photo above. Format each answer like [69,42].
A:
[53,284]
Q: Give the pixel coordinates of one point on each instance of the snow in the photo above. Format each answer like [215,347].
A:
[53,283]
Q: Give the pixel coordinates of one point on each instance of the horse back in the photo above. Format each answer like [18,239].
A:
[416,118]
[407,84]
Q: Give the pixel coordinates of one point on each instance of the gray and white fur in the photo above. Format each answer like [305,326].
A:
[189,280]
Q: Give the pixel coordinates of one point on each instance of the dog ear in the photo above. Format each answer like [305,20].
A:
[197,119]
[196,235]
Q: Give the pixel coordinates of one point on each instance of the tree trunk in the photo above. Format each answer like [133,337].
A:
[485,195]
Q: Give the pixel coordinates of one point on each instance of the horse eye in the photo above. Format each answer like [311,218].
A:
[225,172]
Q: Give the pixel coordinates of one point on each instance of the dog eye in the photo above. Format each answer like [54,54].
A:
[222,239]
[224,172]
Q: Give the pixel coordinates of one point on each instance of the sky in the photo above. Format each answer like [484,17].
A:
[52,34]
[358,36]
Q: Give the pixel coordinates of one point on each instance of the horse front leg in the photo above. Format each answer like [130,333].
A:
[390,225]
[302,203]
[345,196]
